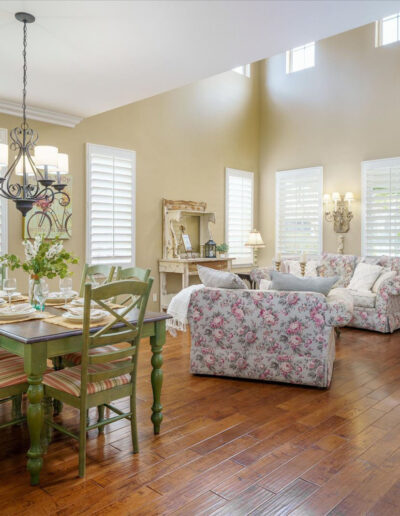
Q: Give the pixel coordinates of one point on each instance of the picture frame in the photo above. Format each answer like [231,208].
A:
[186,243]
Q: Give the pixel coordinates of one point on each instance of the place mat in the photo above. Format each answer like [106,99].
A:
[60,321]
[29,317]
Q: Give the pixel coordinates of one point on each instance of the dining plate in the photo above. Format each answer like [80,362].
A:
[80,301]
[77,315]
[19,312]
[3,294]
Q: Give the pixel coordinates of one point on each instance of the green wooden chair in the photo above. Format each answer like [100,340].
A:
[133,273]
[13,384]
[90,272]
[107,376]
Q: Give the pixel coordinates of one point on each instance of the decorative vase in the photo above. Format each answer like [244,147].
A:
[33,280]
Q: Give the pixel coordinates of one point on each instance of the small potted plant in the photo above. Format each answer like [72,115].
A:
[222,250]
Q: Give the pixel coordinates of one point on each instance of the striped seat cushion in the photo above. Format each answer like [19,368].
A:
[69,380]
[76,358]
[6,354]
[12,372]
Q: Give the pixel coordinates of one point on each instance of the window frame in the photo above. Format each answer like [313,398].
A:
[123,153]
[243,174]
[289,57]
[294,172]
[4,204]
[365,167]
[379,30]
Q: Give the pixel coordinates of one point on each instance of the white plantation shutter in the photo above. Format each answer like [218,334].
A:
[3,205]
[239,214]
[381,207]
[299,211]
[110,192]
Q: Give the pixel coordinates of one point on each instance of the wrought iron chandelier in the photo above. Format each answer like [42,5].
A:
[28,179]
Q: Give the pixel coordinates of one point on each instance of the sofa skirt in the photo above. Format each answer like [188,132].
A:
[300,370]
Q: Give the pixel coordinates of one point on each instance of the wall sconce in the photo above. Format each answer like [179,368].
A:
[338,211]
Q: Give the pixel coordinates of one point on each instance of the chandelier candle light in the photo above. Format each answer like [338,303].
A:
[340,214]
[34,168]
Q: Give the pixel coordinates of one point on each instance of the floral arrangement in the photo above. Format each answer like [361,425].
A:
[44,259]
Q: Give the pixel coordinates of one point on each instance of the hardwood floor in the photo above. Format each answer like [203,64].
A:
[232,447]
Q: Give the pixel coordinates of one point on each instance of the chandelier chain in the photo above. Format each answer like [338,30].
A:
[25,78]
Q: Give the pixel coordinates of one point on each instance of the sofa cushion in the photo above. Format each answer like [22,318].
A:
[265,284]
[341,265]
[385,275]
[365,276]
[219,279]
[361,298]
[289,282]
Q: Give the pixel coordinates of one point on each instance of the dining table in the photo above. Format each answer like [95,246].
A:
[37,341]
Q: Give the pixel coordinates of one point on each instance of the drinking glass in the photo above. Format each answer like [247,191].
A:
[66,288]
[10,286]
[41,293]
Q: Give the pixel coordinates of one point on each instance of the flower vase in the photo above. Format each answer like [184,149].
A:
[33,280]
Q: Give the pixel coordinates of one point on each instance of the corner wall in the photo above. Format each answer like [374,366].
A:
[341,112]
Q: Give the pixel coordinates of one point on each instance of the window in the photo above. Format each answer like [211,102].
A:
[243,70]
[110,199]
[300,58]
[239,192]
[388,30]
[381,207]
[3,202]
[299,211]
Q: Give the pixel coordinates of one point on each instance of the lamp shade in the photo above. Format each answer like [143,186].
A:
[62,163]
[349,196]
[3,154]
[254,239]
[327,198]
[336,196]
[46,156]
[19,169]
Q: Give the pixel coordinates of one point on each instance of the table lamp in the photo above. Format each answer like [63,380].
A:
[255,242]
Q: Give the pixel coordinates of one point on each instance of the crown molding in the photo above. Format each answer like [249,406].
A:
[43,115]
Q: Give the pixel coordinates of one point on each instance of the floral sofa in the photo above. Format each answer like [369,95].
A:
[378,311]
[266,335]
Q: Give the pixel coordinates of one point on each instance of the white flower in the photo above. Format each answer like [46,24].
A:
[29,250]
[54,250]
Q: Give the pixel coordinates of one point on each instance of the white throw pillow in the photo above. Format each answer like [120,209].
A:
[265,284]
[294,267]
[364,276]
[219,279]
[383,277]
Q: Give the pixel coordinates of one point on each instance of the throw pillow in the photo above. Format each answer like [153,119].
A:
[341,265]
[265,284]
[219,279]
[364,276]
[294,267]
[383,277]
[281,281]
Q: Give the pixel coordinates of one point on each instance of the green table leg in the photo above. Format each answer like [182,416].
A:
[157,343]
[35,366]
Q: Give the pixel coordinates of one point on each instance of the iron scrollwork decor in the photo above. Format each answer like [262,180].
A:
[24,182]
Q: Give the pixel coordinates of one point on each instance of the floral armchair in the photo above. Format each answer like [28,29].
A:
[266,335]
[378,311]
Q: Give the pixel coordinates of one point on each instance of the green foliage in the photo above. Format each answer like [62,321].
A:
[45,259]
[222,248]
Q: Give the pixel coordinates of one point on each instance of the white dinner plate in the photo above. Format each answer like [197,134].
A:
[77,316]
[19,312]
[80,301]
[4,294]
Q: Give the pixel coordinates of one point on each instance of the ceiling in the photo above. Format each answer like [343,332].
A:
[86,57]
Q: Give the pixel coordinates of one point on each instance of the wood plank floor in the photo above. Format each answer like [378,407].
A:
[231,446]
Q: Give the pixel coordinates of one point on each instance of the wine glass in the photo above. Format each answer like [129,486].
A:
[41,293]
[10,286]
[66,288]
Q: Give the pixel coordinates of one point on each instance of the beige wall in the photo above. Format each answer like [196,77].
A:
[183,140]
[343,111]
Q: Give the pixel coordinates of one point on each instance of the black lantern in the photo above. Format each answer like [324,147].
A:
[210,249]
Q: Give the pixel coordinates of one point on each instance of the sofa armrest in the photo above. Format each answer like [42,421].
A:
[390,287]
[339,307]
[259,273]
